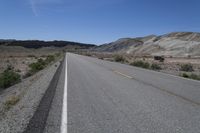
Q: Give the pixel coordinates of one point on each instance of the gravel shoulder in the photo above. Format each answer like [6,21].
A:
[19,102]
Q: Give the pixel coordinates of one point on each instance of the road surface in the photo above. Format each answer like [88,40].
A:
[109,97]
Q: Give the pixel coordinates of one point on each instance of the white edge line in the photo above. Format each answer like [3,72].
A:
[64,107]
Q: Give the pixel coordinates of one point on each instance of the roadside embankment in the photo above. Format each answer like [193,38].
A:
[19,102]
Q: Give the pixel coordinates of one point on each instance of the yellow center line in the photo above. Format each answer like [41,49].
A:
[127,76]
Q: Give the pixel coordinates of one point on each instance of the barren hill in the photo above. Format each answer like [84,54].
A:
[176,44]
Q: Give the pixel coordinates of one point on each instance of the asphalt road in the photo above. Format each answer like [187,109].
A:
[108,97]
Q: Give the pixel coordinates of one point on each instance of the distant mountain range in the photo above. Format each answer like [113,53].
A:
[176,44]
[40,44]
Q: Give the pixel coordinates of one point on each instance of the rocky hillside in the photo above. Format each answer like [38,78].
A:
[176,44]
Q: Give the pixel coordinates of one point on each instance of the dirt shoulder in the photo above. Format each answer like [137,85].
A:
[19,102]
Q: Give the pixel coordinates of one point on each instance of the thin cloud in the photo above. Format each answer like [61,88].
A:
[33,7]
[36,3]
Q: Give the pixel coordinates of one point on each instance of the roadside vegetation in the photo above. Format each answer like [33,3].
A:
[187,68]
[141,64]
[37,66]
[11,101]
[41,64]
[119,58]
[9,77]
[146,65]
[191,76]
[156,63]
[155,66]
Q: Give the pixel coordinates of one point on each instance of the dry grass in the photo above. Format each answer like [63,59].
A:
[11,101]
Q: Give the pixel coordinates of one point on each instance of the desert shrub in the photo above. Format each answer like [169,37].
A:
[18,70]
[43,56]
[155,67]
[119,58]
[160,58]
[191,76]
[187,68]
[42,61]
[194,76]
[31,56]
[101,58]
[49,59]
[28,74]
[185,75]
[10,67]
[57,54]
[140,64]
[8,78]
[88,54]
[37,66]
[11,101]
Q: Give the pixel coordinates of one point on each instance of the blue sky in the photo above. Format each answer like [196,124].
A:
[95,21]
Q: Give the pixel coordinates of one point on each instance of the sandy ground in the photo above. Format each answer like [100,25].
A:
[20,58]
[20,64]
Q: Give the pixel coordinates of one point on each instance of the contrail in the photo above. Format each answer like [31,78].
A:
[33,7]
[35,3]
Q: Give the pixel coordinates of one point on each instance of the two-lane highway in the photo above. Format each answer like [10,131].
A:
[108,97]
